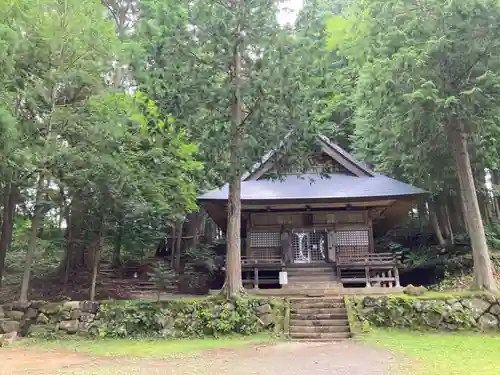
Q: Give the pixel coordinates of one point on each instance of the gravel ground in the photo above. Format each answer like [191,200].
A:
[343,358]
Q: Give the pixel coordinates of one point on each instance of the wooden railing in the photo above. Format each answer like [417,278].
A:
[372,259]
[265,261]
[374,269]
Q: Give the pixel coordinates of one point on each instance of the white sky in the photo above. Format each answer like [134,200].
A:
[289,11]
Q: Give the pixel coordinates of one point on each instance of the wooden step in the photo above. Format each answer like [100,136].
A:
[312,279]
[311,271]
[314,288]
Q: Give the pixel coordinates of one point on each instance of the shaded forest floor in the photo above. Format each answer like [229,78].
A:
[78,288]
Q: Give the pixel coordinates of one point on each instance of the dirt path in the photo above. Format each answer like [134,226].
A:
[346,358]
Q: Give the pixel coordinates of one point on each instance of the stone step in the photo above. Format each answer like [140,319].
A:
[334,316]
[319,340]
[317,299]
[324,329]
[318,305]
[318,323]
[331,336]
[316,311]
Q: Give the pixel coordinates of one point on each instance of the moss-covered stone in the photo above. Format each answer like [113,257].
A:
[415,290]
[477,311]
[15,315]
[178,318]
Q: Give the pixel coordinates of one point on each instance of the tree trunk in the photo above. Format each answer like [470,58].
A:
[83,220]
[455,214]
[233,284]
[116,260]
[422,215]
[178,245]
[483,269]
[194,229]
[495,179]
[36,221]
[69,247]
[464,210]
[447,224]
[435,225]
[97,259]
[176,237]
[9,208]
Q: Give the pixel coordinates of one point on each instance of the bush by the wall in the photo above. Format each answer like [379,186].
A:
[177,318]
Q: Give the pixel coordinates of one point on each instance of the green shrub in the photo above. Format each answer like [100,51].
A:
[188,318]
[124,319]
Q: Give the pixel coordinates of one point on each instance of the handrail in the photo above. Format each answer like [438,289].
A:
[368,259]
[274,260]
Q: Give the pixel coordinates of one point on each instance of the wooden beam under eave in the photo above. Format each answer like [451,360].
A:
[289,206]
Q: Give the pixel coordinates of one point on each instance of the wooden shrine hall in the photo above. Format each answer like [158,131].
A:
[317,228]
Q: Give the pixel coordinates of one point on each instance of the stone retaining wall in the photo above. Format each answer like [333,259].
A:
[179,318]
[450,313]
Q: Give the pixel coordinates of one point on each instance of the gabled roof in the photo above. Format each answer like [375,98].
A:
[312,187]
[338,154]
[362,183]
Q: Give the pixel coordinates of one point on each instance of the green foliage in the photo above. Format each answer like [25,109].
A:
[185,68]
[106,159]
[493,235]
[409,66]
[163,276]
[202,254]
[415,313]
[455,282]
[129,319]
[184,318]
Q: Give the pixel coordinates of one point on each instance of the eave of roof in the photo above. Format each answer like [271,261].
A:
[313,187]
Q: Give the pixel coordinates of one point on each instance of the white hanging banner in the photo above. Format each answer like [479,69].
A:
[283,278]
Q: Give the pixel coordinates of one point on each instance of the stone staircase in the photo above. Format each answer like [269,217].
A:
[318,319]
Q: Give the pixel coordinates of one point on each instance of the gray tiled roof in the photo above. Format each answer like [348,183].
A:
[337,186]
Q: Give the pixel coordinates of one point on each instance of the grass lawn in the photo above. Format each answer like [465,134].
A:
[442,354]
[150,348]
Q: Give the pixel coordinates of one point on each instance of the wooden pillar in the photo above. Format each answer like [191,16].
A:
[396,275]
[256,278]
[390,284]
[247,236]
[367,275]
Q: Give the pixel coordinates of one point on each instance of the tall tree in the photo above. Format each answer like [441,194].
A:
[426,75]
[60,38]
[230,67]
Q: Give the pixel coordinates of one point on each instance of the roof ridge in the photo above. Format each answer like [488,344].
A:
[335,147]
